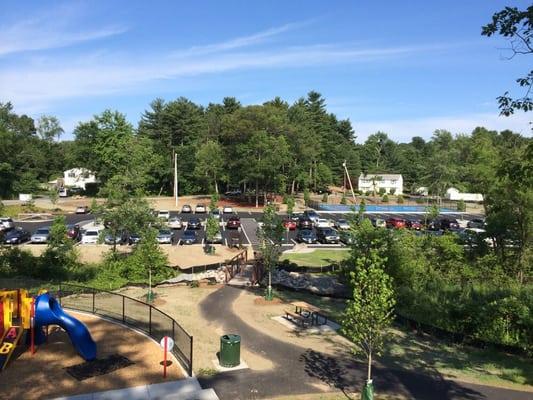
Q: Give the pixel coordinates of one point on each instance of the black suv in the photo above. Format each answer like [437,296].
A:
[327,235]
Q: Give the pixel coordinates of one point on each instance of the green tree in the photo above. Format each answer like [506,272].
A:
[147,259]
[270,235]
[290,204]
[49,128]
[59,257]
[213,202]
[307,197]
[516,26]
[53,195]
[212,228]
[369,313]
[210,163]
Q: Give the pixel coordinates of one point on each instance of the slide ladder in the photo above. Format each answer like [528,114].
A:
[8,344]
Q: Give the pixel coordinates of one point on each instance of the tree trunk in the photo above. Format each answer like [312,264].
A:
[369,375]
[256,194]
[292,186]
[216,186]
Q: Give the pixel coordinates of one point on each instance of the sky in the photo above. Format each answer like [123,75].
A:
[405,68]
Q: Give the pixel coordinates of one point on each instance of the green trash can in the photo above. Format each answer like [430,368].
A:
[230,350]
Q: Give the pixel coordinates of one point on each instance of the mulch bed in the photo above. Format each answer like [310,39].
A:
[261,301]
[98,367]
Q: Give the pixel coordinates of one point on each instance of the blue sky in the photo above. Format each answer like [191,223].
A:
[406,68]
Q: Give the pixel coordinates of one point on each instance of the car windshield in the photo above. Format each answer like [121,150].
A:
[164,232]
[42,231]
[91,233]
[189,233]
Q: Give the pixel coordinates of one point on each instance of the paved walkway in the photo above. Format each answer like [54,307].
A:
[298,370]
[184,389]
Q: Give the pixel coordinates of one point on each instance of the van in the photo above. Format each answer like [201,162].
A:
[90,236]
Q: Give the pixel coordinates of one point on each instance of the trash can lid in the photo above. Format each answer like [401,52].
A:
[232,338]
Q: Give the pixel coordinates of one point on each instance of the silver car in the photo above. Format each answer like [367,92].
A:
[164,236]
[41,235]
[175,223]
[342,224]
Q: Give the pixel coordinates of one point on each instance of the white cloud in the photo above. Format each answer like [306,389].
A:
[48,30]
[404,129]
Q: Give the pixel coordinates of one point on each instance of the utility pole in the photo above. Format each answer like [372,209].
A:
[176,178]
[349,181]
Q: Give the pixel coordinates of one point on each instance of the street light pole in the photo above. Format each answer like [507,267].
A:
[176,178]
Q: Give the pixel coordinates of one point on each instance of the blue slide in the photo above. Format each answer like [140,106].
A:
[49,312]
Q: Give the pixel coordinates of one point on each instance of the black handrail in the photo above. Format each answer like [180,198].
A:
[179,350]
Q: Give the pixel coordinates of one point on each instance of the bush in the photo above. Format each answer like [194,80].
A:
[385,199]
[307,197]
[399,199]
[392,191]
[420,200]
[91,189]
[343,198]
[461,205]
[325,198]
[382,191]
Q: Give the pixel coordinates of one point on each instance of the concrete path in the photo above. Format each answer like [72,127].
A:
[185,389]
[299,370]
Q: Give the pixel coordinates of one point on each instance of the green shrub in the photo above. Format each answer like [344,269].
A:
[399,199]
[343,198]
[385,199]
[461,205]
[420,200]
[382,191]
[392,191]
[325,198]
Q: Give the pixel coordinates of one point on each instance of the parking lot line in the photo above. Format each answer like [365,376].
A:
[179,242]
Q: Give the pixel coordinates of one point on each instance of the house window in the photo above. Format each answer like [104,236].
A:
[71,175]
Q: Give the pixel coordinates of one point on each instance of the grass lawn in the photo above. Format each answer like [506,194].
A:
[14,210]
[405,349]
[317,258]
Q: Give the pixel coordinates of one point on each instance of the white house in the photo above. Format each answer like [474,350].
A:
[454,194]
[375,182]
[78,177]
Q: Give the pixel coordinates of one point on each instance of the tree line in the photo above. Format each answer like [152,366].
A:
[275,147]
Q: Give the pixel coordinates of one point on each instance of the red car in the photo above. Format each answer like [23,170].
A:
[416,225]
[289,224]
[233,223]
[396,223]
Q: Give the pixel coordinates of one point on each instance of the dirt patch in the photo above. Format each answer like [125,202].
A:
[43,375]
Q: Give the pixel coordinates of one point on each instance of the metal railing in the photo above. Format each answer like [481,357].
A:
[131,312]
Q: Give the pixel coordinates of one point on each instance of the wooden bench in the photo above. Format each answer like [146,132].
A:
[296,318]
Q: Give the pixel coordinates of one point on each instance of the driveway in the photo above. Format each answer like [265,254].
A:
[299,370]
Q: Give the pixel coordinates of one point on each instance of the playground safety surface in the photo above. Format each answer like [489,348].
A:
[43,375]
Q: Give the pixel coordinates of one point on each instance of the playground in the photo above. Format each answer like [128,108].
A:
[47,351]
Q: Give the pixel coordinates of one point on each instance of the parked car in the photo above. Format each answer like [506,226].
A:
[289,224]
[120,238]
[233,222]
[322,223]
[163,214]
[6,224]
[232,193]
[17,236]
[200,209]
[175,223]
[217,239]
[306,236]
[396,223]
[227,210]
[327,235]
[342,224]
[346,237]
[444,224]
[478,223]
[134,238]
[312,215]
[414,224]
[295,217]
[164,236]
[74,232]
[378,222]
[82,210]
[186,209]
[90,236]
[41,235]
[189,236]
[194,223]
[305,223]
[234,239]
[216,214]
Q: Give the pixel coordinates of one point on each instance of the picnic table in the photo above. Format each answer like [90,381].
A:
[310,311]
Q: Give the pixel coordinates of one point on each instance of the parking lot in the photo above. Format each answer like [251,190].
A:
[249,223]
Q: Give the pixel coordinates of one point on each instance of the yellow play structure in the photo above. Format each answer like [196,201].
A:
[16,310]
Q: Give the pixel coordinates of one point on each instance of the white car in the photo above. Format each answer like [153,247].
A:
[322,223]
[227,210]
[175,223]
[6,224]
[41,235]
[342,224]
[163,214]
[216,214]
[90,236]
[200,209]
